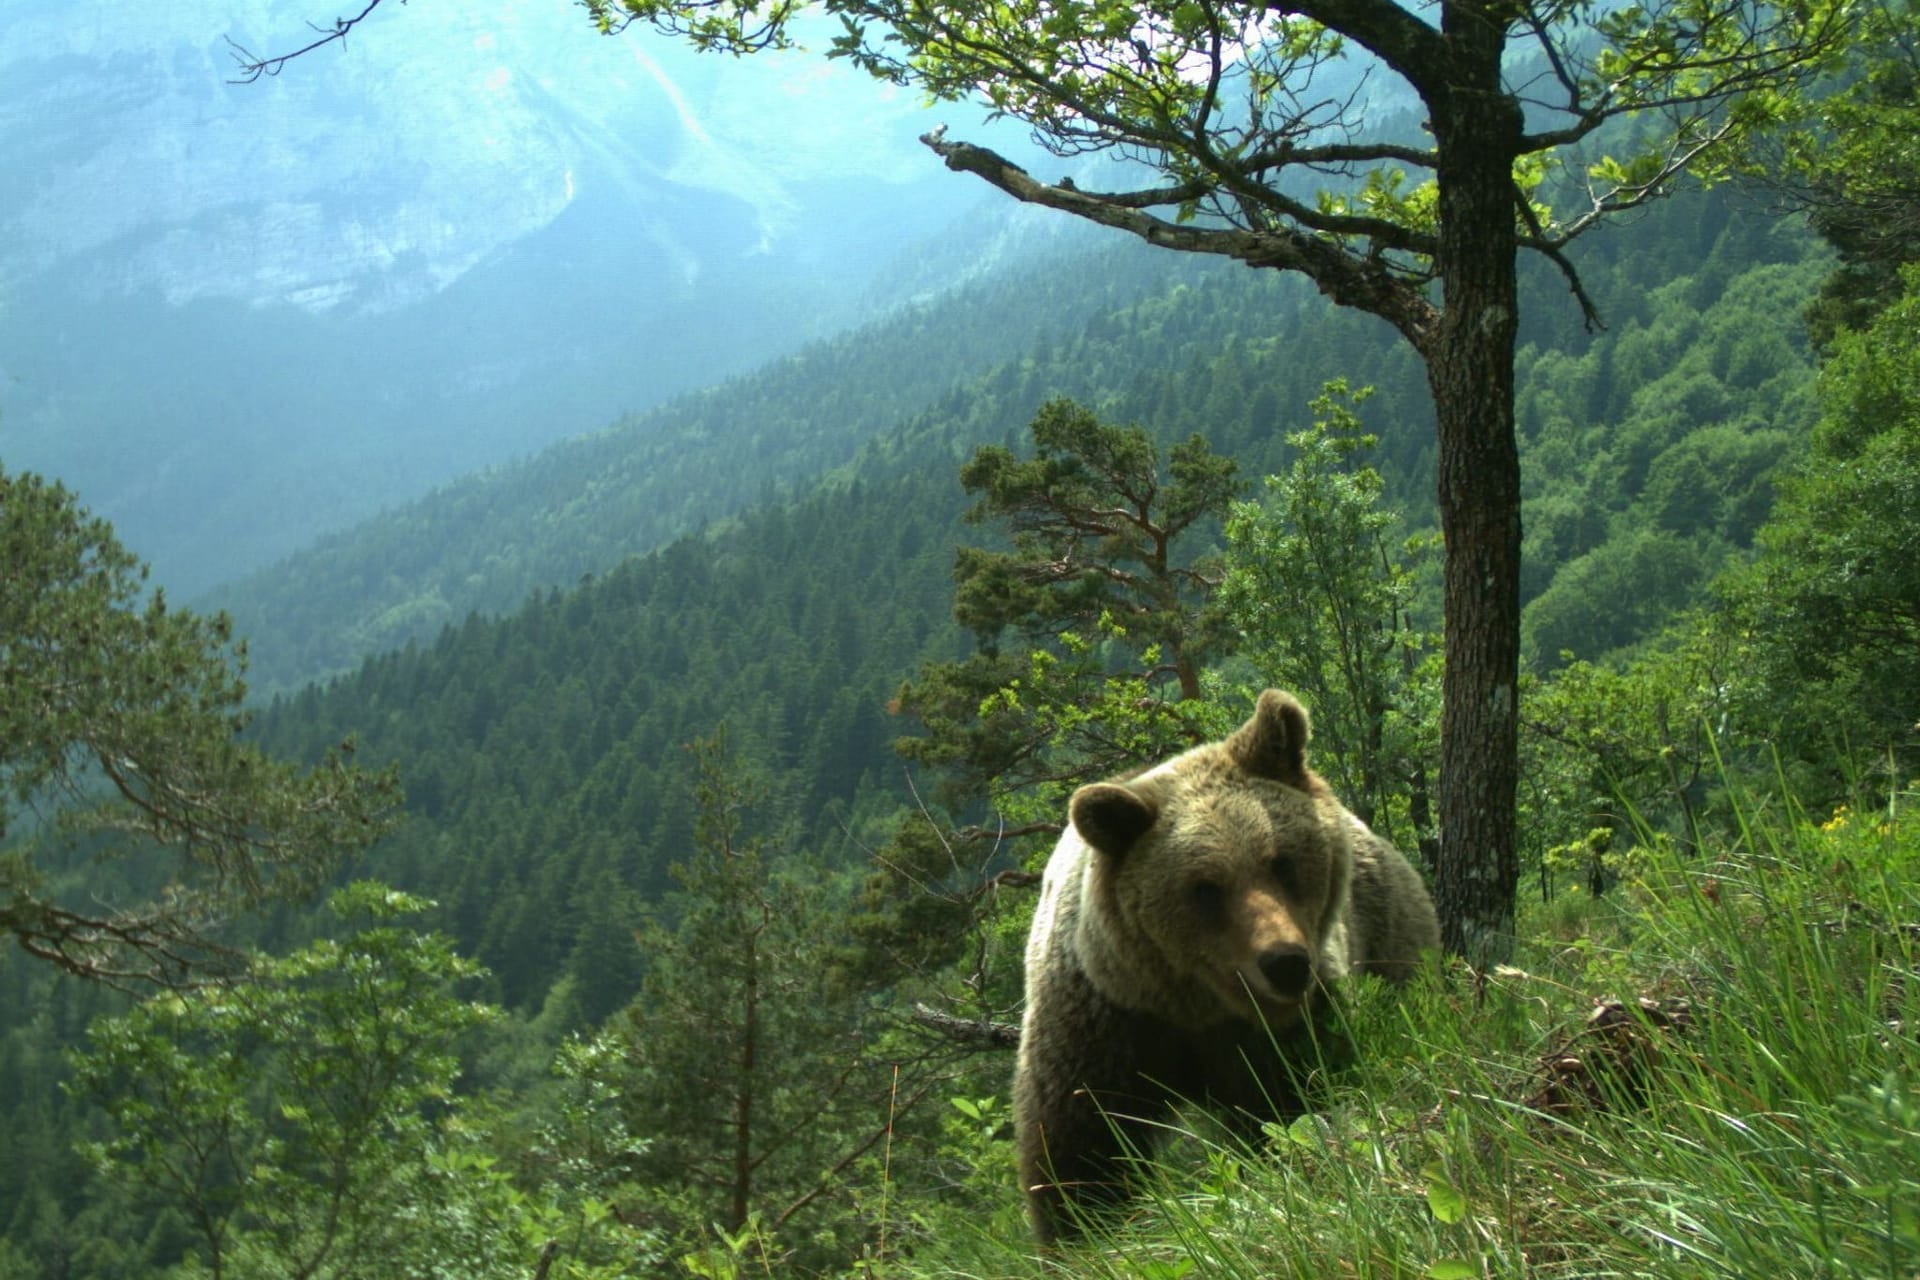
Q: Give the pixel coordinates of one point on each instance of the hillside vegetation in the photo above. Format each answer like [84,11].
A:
[542,745]
[642,755]
[489,540]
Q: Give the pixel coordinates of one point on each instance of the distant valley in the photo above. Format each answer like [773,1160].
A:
[237,317]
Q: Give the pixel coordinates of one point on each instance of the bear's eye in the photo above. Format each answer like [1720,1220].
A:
[1208,898]
[1286,871]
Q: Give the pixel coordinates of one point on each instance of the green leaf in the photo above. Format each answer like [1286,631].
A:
[1165,1269]
[1447,1202]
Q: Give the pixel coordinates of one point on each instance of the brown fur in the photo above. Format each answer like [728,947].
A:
[1190,922]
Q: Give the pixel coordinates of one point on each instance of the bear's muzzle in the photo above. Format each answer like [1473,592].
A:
[1287,970]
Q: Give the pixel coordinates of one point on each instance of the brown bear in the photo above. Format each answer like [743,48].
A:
[1190,922]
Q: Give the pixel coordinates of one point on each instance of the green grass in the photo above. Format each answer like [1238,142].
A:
[1745,1102]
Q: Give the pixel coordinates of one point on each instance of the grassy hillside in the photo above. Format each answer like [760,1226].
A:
[1711,1073]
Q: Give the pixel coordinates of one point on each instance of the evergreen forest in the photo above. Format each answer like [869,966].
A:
[695,772]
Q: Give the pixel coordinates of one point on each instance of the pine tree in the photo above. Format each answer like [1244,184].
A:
[124,715]
[1092,630]
[747,1061]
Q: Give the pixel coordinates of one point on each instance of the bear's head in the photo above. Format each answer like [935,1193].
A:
[1216,883]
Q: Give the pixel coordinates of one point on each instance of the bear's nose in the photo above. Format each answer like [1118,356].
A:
[1287,968]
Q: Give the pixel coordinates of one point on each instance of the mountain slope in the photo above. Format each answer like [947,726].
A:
[238,316]
[485,541]
[1181,344]
[540,748]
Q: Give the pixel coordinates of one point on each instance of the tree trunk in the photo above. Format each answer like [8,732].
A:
[741,1199]
[1467,346]
[1470,372]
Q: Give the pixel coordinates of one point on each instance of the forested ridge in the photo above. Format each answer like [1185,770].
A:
[547,781]
[540,749]
[798,530]
[1124,328]
[486,541]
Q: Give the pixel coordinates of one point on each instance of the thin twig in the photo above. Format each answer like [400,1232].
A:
[252,68]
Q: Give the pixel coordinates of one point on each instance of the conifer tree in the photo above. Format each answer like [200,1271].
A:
[120,739]
[1098,577]
[1092,628]
[746,1061]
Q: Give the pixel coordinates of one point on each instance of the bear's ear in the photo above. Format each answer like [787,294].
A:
[1273,744]
[1110,817]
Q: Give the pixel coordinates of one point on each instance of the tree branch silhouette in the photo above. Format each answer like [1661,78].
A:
[252,67]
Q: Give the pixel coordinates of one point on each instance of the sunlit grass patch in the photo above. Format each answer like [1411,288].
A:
[1713,1074]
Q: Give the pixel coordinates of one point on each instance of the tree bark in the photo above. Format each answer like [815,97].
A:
[1470,372]
[741,1197]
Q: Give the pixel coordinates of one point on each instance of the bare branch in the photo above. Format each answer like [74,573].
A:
[1538,240]
[1347,278]
[1003,833]
[830,1178]
[252,67]
[128,951]
[1680,157]
[1556,59]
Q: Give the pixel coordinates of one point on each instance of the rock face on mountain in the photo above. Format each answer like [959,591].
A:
[360,181]
[460,234]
